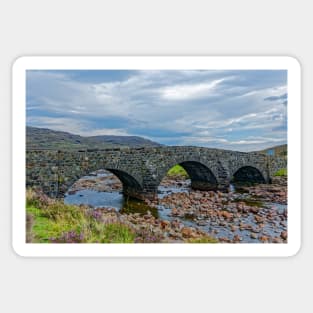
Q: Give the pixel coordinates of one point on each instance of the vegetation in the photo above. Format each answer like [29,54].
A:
[203,240]
[43,138]
[277,151]
[53,221]
[281,172]
[177,170]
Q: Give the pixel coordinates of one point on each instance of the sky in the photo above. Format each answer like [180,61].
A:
[242,110]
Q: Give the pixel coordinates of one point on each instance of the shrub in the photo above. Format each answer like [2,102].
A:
[202,240]
[281,172]
[177,170]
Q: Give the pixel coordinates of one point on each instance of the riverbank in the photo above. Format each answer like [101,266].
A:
[52,221]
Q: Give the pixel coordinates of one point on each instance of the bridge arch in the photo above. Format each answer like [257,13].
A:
[201,176]
[131,185]
[249,173]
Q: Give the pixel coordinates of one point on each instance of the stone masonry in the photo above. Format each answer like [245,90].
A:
[142,169]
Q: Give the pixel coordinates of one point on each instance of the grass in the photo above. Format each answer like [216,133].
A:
[203,240]
[177,170]
[281,172]
[54,221]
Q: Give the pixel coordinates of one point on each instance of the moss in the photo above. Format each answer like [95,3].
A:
[203,240]
[136,206]
[251,202]
[177,170]
[281,172]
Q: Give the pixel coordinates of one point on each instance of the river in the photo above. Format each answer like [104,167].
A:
[115,199]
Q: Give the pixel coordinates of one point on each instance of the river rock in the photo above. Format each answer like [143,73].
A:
[264,238]
[284,235]
[188,232]
[253,236]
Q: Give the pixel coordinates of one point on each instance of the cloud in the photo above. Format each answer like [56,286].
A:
[224,109]
[275,98]
[190,91]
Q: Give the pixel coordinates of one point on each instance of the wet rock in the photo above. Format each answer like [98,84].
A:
[188,232]
[201,223]
[227,215]
[277,240]
[258,219]
[234,228]
[175,212]
[264,238]
[190,215]
[165,224]
[253,236]
[254,210]
[284,235]
[237,238]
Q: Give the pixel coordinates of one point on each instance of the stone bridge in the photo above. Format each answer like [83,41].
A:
[142,169]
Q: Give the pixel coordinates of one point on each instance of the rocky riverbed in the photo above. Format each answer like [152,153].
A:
[245,214]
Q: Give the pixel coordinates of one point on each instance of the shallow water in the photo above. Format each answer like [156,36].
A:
[116,199]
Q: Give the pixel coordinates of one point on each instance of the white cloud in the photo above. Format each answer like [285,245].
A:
[190,91]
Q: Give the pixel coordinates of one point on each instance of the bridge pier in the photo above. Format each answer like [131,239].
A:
[139,194]
[207,186]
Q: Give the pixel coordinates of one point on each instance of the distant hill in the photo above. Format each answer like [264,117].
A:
[44,138]
[277,150]
[132,141]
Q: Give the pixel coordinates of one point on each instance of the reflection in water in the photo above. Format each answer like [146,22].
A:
[114,199]
[136,206]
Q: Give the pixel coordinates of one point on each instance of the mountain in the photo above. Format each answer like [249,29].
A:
[44,138]
[277,150]
[132,141]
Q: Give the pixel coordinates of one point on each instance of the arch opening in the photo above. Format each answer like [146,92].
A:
[248,174]
[107,180]
[131,186]
[194,174]
[109,188]
[202,178]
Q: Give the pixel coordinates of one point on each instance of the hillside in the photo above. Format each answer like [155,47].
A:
[132,141]
[43,138]
[277,150]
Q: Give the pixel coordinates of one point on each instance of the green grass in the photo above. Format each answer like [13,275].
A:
[44,228]
[61,223]
[112,233]
[281,172]
[203,240]
[177,170]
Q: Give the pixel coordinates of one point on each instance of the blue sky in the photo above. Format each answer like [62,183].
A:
[238,110]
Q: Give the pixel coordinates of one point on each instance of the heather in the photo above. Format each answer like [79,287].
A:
[51,220]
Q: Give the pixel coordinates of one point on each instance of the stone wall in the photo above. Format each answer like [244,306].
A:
[142,169]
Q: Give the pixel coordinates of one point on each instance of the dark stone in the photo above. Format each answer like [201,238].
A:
[142,169]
